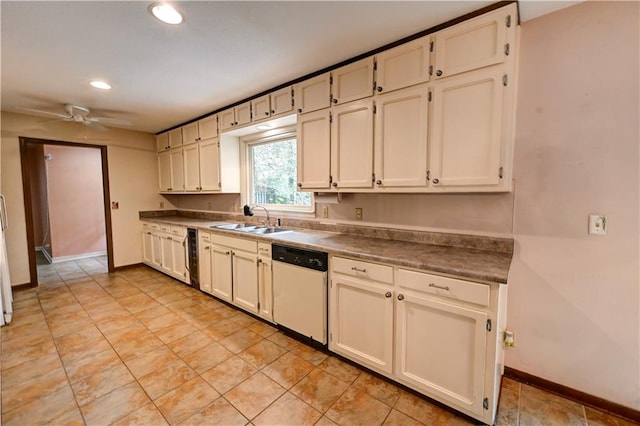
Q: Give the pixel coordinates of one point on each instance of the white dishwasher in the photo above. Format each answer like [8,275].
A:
[300,291]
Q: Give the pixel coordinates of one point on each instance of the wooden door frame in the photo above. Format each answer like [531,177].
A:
[28,204]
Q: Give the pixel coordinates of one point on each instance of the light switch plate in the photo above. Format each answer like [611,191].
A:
[597,224]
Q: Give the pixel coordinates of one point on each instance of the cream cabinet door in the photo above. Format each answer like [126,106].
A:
[352,82]
[147,247]
[167,254]
[403,66]
[281,101]
[401,137]
[265,288]
[164,171]
[221,276]
[361,321]
[190,133]
[245,280]
[314,140]
[162,142]
[177,170]
[210,165]
[261,108]
[226,119]
[156,244]
[175,138]
[243,114]
[466,130]
[204,265]
[191,157]
[313,94]
[352,145]
[476,43]
[208,128]
[441,349]
[179,258]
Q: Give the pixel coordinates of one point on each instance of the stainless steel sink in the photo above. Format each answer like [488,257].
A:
[269,230]
[254,229]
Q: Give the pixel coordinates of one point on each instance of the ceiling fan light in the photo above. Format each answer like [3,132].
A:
[165,13]
[99,84]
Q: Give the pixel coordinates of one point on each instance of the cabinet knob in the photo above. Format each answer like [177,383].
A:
[299,185]
[207,247]
[436,181]
[228,253]
[300,110]
[387,294]
[335,101]
[273,111]
[266,113]
[378,182]
[335,184]
[439,73]
[379,89]
[400,297]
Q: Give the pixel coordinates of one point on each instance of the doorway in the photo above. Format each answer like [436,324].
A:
[68,220]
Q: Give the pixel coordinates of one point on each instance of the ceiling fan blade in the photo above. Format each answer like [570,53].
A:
[113,121]
[45,113]
[96,126]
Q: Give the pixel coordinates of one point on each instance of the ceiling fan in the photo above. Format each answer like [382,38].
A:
[80,114]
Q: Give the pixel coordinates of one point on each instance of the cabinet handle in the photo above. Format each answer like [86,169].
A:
[438,286]
[300,110]
[400,297]
[379,89]
[436,181]
[439,73]
[363,270]
[387,294]
[335,101]
[228,253]
[273,111]
[378,182]
[266,113]
[335,184]
[207,247]
[259,260]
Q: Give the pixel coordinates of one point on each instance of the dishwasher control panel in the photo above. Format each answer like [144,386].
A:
[310,259]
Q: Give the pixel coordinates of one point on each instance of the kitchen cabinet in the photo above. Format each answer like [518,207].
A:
[352,82]
[352,145]
[156,247]
[147,244]
[164,249]
[177,170]
[175,138]
[209,164]
[467,136]
[204,262]
[164,171]
[281,101]
[401,138]
[476,43]
[261,107]
[234,117]
[162,142]
[166,264]
[403,66]
[179,255]
[313,94]
[191,158]
[190,133]
[200,130]
[314,150]
[361,312]
[265,282]
[235,271]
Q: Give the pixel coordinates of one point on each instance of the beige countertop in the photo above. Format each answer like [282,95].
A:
[467,263]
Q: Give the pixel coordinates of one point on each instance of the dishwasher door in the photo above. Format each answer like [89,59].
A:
[300,300]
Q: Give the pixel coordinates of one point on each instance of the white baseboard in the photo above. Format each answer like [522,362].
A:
[46,254]
[76,257]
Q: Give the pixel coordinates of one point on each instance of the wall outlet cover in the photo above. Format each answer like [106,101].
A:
[115,205]
[358,213]
[597,224]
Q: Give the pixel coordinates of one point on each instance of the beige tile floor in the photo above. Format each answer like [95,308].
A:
[139,348]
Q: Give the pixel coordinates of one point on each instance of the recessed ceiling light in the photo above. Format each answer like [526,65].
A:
[99,84]
[166,13]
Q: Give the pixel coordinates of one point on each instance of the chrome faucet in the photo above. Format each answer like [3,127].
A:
[248,211]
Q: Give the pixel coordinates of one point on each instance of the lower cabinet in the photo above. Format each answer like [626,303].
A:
[221,272]
[265,283]
[164,248]
[204,262]
[440,336]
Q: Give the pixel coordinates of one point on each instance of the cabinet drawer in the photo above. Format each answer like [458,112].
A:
[204,237]
[179,231]
[264,249]
[445,287]
[361,269]
[154,226]
[237,243]
[145,226]
[165,228]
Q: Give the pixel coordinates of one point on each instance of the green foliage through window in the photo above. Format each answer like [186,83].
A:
[273,179]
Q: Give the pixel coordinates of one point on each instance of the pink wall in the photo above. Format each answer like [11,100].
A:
[39,203]
[573,297]
[76,206]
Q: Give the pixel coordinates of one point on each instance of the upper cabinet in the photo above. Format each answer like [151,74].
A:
[261,107]
[313,134]
[476,43]
[234,117]
[403,66]
[190,133]
[313,94]
[208,128]
[352,82]
[281,101]
[162,142]
[175,138]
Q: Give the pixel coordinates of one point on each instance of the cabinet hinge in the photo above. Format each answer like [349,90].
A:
[430,69]
[375,66]
[292,98]
[505,80]
[428,175]
[373,177]
[330,118]
[508,21]
[429,96]
[331,337]
[219,184]
[488,325]
[330,79]
[218,144]
[375,108]
[258,306]
[330,179]
[431,46]
[485,403]
[501,172]
[506,49]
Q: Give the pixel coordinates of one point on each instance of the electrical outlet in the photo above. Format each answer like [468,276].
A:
[597,224]
[162,204]
[325,212]
[115,205]
[509,338]
[358,213]
[209,205]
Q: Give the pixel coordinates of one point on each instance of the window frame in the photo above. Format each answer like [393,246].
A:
[246,169]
